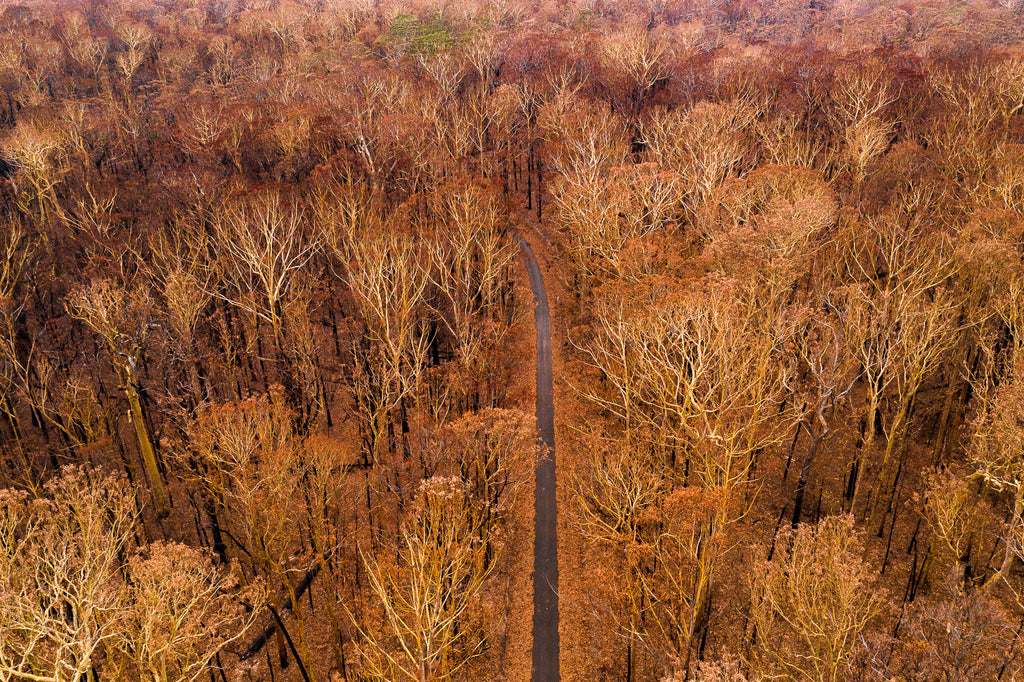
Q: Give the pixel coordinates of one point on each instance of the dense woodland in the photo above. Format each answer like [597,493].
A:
[266,346]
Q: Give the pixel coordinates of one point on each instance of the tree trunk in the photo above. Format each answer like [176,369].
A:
[801,484]
[865,450]
[892,437]
[146,446]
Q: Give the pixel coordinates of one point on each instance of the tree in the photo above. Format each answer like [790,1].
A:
[181,274]
[483,52]
[60,574]
[697,370]
[584,140]
[471,258]
[16,254]
[136,40]
[381,139]
[900,322]
[997,453]
[638,59]
[180,611]
[978,97]
[865,141]
[950,636]
[251,463]
[331,498]
[600,220]
[618,494]
[121,319]
[31,372]
[387,274]
[861,94]
[35,149]
[810,601]
[90,52]
[826,373]
[428,598]
[695,385]
[263,249]
[492,451]
[772,227]
[620,484]
[705,145]
[953,511]
[925,331]
[787,143]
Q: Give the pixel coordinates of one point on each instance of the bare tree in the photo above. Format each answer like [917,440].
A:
[826,373]
[601,220]
[681,366]
[997,453]
[136,40]
[900,323]
[811,600]
[388,276]
[704,145]
[859,99]
[426,600]
[639,58]
[178,265]
[585,140]
[471,265]
[264,248]
[979,97]
[36,150]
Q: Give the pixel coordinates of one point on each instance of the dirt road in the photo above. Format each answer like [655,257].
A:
[545,557]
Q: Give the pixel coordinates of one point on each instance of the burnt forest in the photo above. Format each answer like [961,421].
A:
[525,340]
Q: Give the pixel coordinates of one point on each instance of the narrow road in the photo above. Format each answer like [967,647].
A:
[545,547]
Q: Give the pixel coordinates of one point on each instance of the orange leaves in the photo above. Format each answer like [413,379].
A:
[690,506]
[771,223]
[180,610]
[60,581]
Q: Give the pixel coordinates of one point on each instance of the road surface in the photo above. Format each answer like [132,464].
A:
[545,548]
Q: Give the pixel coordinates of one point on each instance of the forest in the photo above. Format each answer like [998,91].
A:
[275,278]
